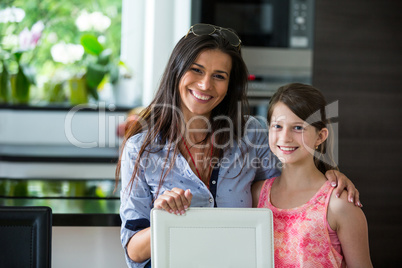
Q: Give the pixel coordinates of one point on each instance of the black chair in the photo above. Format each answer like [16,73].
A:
[25,237]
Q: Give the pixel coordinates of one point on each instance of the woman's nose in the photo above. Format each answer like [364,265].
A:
[204,84]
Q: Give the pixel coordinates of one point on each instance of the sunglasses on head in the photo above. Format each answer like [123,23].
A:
[208,29]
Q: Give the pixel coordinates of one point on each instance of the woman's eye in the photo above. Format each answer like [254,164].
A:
[196,70]
[221,77]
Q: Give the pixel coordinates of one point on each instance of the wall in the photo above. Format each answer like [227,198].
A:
[43,143]
[83,247]
[358,61]
[150,30]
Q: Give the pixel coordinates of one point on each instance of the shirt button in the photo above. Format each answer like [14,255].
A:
[211,200]
[213,182]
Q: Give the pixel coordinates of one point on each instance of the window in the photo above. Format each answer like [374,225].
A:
[50,47]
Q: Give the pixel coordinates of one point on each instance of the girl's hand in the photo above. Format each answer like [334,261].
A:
[341,182]
[175,201]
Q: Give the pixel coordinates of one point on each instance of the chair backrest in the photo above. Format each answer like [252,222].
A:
[213,238]
[25,236]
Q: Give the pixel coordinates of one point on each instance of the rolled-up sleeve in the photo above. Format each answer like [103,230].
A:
[136,198]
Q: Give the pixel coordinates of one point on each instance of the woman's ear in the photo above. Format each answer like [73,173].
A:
[322,136]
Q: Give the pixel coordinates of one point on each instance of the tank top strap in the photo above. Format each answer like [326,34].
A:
[265,194]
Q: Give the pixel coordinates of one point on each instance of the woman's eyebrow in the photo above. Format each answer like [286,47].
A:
[218,71]
[199,65]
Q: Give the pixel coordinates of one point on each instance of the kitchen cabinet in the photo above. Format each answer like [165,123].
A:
[358,61]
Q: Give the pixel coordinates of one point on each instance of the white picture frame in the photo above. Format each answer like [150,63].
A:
[212,238]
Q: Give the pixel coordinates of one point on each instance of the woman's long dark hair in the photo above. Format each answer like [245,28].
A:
[162,118]
[309,104]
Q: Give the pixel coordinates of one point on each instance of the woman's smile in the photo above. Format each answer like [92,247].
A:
[200,96]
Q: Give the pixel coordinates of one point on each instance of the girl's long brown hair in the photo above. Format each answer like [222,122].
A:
[162,117]
[309,104]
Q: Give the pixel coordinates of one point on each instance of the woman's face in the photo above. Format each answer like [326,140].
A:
[205,84]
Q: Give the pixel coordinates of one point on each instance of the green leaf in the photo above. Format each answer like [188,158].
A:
[91,44]
[104,57]
[18,55]
[95,74]
[4,84]
[21,87]
[56,92]
[114,73]
[30,73]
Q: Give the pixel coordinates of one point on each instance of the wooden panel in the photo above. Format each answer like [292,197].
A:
[358,61]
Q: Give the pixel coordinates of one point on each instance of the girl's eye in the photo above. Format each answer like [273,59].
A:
[298,128]
[276,126]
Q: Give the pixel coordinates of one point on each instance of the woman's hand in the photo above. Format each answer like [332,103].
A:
[175,201]
[341,182]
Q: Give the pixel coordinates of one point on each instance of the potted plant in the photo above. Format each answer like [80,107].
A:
[16,73]
[100,65]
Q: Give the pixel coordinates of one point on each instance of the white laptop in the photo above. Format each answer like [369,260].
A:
[212,238]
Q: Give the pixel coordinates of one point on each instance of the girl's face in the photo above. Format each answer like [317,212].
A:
[291,139]
[205,84]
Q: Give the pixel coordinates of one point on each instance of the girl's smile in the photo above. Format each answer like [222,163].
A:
[287,149]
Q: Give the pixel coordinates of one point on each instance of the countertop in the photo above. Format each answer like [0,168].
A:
[73,202]
[63,157]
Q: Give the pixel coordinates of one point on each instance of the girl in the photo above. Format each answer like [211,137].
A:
[312,227]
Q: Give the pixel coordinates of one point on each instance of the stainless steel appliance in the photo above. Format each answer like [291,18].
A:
[277,40]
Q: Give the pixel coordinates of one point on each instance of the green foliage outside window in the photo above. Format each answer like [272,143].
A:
[78,39]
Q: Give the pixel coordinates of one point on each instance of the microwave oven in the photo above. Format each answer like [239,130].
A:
[261,23]
[277,38]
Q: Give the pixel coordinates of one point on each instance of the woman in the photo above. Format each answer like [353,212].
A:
[193,144]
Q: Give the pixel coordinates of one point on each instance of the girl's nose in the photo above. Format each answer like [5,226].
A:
[286,135]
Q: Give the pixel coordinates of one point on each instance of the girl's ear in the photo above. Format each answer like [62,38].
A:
[322,136]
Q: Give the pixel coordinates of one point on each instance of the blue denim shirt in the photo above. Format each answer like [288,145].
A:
[236,174]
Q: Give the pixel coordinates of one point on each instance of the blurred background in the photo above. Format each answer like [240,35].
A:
[71,73]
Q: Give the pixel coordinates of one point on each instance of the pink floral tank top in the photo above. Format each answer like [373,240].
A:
[301,237]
